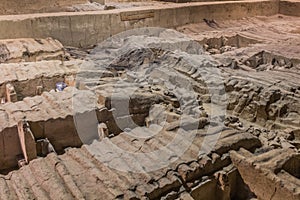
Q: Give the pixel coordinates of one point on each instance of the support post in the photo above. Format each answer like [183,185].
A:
[27,141]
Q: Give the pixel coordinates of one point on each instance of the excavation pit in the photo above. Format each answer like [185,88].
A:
[226,43]
[217,117]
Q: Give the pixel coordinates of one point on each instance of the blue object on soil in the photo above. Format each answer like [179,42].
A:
[60,86]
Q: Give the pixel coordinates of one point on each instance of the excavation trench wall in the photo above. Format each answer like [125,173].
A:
[85,29]
[61,132]
[290,8]
[9,148]
[28,88]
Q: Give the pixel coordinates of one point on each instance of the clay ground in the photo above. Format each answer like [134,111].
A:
[278,33]
[46,154]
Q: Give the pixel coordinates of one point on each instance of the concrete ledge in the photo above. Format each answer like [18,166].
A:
[89,28]
[290,7]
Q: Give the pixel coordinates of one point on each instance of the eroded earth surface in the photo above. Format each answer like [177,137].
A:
[209,112]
